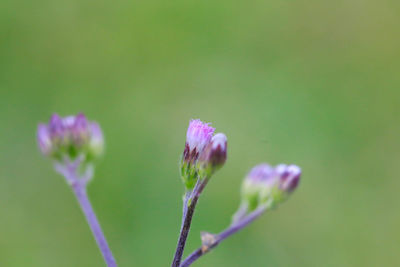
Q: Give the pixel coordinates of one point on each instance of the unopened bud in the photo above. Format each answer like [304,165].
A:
[258,185]
[269,186]
[214,155]
[289,177]
[96,143]
[70,137]
[44,141]
[198,136]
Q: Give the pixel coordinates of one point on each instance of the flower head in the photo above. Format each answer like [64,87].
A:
[96,142]
[198,140]
[44,139]
[258,185]
[268,185]
[70,136]
[262,173]
[198,136]
[215,153]
[289,177]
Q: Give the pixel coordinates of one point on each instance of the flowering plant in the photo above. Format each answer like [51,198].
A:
[263,188]
[74,143]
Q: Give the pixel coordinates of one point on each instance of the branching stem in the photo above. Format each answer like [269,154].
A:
[189,202]
[234,228]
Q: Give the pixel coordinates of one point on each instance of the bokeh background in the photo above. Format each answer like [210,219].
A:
[315,83]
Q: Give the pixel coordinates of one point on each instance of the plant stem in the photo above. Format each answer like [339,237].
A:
[186,222]
[78,183]
[80,193]
[223,235]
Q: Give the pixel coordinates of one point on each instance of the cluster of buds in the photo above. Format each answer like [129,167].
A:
[70,137]
[266,185]
[203,153]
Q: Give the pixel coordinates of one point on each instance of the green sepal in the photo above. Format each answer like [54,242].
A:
[189,175]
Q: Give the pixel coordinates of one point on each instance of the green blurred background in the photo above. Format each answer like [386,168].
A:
[315,83]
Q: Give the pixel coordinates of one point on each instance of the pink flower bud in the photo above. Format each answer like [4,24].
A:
[70,136]
[289,177]
[215,153]
[198,136]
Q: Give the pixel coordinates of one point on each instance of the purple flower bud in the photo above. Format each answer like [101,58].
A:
[257,187]
[70,136]
[56,127]
[44,141]
[289,177]
[79,124]
[68,123]
[96,143]
[214,154]
[198,136]
[268,185]
[262,173]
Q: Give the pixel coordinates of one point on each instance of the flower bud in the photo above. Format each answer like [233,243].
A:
[198,136]
[70,137]
[44,141]
[289,177]
[96,143]
[258,185]
[214,155]
[270,186]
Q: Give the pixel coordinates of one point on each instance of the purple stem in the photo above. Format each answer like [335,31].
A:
[223,235]
[80,193]
[70,171]
[187,220]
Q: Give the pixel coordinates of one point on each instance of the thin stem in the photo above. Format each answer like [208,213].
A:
[78,183]
[187,220]
[185,206]
[80,193]
[240,213]
[234,228]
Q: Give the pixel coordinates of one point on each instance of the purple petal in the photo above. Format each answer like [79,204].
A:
[43,137]
[56,127]
[262,173]
[216,151]
[289,176]
[198,135]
